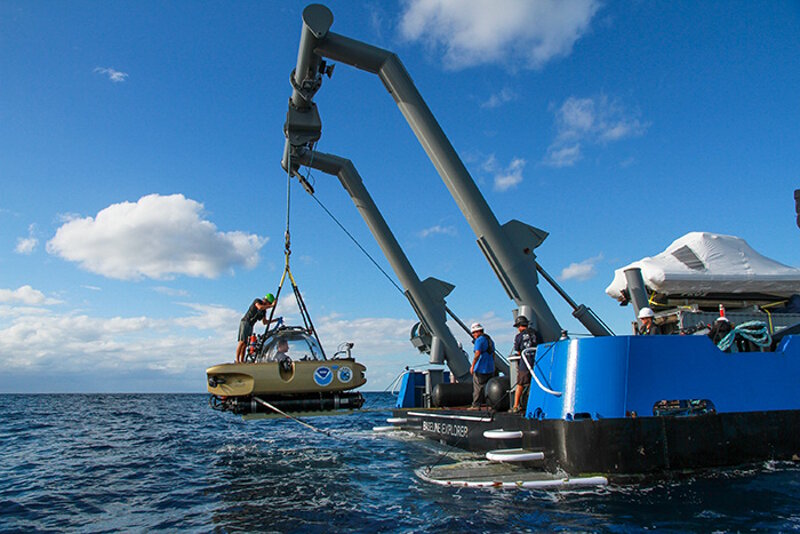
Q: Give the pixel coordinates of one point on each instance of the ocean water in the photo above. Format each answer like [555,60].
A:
[102,463]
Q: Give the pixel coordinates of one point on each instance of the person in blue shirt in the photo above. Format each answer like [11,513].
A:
[482,368]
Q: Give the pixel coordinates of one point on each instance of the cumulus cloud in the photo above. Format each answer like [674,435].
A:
[376,336]
[156,237]
[26,245]
[519,33]
[507,177]
[563,156]
[70,339]
[209,317]
[498,99]
[113,75]
[583,270]
[184,344]
[25,295]
[177,348]
[597,121]
[511,177]
[437,230]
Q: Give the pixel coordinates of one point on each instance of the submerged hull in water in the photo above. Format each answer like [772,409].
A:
[299,404]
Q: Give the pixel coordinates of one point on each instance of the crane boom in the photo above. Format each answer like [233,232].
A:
[509,247]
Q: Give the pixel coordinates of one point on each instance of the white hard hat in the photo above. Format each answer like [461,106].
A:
[476,327]
[646,312]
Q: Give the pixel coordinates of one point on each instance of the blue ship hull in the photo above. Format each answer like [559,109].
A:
[619,376]
[642,406]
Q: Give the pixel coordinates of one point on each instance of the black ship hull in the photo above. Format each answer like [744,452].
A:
[646,446]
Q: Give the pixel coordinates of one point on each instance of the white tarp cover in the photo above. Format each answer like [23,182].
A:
[701,262]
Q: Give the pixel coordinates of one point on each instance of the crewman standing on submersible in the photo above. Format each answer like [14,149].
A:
[256,312]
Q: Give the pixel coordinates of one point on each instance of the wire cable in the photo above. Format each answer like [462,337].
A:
[355,241]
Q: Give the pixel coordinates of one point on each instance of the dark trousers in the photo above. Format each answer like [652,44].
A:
[478,382]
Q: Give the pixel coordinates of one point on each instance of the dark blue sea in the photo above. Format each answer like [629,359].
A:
[108,463]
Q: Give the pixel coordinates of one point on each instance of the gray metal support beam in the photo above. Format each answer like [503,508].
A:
[317,20]
[636,289]
[582,313]
[512,263]
[426,297]
[509,247]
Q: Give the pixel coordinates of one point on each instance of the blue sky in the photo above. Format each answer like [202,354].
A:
[142,204]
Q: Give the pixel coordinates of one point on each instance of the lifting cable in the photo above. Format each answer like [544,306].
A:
[369,256]
[287,249]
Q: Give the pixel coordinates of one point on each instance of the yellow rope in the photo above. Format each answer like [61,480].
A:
[773,304]
[769,318]
[769,315]
[654,304]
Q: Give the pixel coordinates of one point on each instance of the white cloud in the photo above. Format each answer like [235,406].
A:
[170,292]
[26,245]
[209,317]
[113,75]
[517,33]
[67,217]
[511,176]
[177,346]
[589,120]
[563,156]
[72,340]
[583,270]
[156,237]
[373,336]
[173,349]
[504,178]
[490,164]
[16,310]
[498,99]
[436,230]
[25,295]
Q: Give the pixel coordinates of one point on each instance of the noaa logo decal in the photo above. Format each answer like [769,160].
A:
[323,376]
[345,375]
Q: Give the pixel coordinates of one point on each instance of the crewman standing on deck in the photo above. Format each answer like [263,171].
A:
[527,338]
[648,327]
[482,368]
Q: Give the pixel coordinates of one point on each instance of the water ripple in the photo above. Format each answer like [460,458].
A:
[109,463]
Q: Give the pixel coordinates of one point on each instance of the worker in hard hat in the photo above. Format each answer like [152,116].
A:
[482,368]
[256,312]
[648,327]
